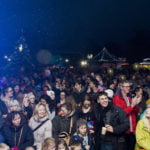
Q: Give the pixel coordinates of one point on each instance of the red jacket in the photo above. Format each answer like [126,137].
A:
[119,101]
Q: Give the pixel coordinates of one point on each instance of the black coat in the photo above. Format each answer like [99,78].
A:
[61,124]
[11,133]
[116,118]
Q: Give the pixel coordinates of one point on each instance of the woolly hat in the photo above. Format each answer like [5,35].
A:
[109,92]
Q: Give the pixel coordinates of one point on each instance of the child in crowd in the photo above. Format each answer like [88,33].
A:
[82,135]
[61,145]
[49,144]
[4,146]
[76,146]
[30,148]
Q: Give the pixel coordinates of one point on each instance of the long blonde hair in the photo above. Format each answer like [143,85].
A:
[35,113]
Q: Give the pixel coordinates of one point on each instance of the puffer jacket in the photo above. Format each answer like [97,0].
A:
[42,132]
[143,134]
[11,135]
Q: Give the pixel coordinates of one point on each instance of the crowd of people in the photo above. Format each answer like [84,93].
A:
[67,109]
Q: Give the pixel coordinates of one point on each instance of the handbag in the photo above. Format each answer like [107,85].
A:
[66,136]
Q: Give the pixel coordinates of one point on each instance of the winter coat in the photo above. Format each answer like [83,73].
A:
[62,124]
[42,132]
[143,134]
[119,101]
[116,118]
[77,138]
[78,96]
[3,108]
[12,133]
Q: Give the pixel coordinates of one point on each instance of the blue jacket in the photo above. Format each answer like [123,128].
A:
[77,138]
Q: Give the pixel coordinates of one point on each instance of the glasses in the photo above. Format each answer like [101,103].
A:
[10,91]
[126,86]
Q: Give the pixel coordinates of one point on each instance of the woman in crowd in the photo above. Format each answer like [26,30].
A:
[86,112]
[50,106]
[16,132]
[49,144]
[143,132]
[41,125]
[65,122]
[26,107]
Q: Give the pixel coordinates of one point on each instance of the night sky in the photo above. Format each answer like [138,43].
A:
[77,26]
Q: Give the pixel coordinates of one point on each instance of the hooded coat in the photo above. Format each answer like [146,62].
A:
[143,134]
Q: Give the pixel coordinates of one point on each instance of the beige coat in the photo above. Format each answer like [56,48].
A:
[41,133]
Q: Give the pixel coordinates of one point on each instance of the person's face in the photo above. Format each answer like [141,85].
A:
[9,92]
[52,96]
[25,98]
[125,88]
[51,148]
[83,130]
[86,104]
[62,95]
[61,147]
[92,84]
[14,108]
[139,92]
[147,113]
[17,119]
[103,100]
[43,101]
[64,111]
[32,100]
[77,86]
[78,148]
[41,112]
[16,88]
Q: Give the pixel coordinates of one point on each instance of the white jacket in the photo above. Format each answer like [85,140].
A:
[42,132]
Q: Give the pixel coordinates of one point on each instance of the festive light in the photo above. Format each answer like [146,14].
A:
[122,77]
[5,57]
[136,66]
[20,48]
[9,59]
[110,71]
[66,60]
[83,63]
[89,56]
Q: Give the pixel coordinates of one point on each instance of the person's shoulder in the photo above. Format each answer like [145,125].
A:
[118,108]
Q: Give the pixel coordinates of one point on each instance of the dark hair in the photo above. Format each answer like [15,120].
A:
[95,82]
[68,106]
[102,93]
[87,98]
[12,115]
[6,89]
[46,97]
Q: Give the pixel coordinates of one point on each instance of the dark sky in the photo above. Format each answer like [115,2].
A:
[78,26]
